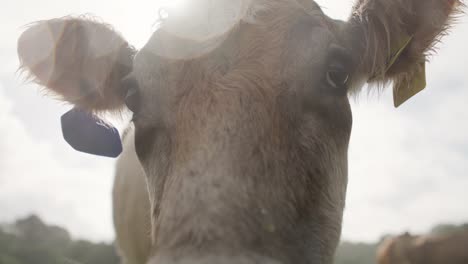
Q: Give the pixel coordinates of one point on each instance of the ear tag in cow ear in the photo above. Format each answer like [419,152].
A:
[396,54]
[87,133]
[409,87]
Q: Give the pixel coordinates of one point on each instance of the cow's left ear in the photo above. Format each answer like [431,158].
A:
[81,60]
[394,37]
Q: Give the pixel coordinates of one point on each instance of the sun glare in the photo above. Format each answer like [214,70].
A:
[172,7]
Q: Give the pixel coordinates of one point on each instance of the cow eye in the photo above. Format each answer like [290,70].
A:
[337,77]
[132,96]
[339,68]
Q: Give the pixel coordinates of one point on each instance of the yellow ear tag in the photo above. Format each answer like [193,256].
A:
[396,54]
[409,87]
[404,89]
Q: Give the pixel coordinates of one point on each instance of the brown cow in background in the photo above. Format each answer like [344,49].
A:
[428,249]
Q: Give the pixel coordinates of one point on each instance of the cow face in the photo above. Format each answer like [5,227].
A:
[243,134]
[247,139]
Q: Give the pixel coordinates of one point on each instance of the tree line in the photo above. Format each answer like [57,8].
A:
[31,241]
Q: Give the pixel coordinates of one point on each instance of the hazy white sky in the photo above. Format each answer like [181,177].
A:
[408,166]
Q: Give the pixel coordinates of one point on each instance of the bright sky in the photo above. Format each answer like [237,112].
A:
[408,166]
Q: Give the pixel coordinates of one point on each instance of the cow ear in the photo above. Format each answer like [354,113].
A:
[394,38]
[78,59]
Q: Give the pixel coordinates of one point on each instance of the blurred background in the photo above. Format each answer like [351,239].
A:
[407,167]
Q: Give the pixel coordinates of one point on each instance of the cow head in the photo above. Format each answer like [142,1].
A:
[404,249]
[243,129]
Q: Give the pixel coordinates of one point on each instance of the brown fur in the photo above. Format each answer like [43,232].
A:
[241,136]
[253,159]
[431,249]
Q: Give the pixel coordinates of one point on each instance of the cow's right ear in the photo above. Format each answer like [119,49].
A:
[78,59]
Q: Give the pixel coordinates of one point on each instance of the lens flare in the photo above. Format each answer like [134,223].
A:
[173,7]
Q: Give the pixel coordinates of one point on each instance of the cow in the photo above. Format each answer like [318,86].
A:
[448,248]
[237,149]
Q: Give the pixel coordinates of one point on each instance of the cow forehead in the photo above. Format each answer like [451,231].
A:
[285,38]
[204,25]
[202,19]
